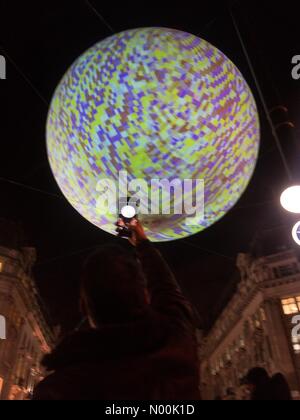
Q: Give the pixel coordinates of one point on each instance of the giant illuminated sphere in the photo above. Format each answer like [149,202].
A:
[157,103]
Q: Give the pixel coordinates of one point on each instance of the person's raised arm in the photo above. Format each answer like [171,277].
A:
[166,295]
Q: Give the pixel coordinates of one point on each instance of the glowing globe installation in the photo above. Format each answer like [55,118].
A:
[160,104]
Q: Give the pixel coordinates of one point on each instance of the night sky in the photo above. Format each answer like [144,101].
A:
[40,40]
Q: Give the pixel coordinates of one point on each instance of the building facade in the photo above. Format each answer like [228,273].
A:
[26,336]
[257,327]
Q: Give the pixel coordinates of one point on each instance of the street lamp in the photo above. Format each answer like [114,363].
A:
[296,233]
[290,199]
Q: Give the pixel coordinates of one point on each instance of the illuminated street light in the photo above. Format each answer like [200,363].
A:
[290,199]
[296,233]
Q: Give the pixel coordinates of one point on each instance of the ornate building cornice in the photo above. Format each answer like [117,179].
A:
[257,275]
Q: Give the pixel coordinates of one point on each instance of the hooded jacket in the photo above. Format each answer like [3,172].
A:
[151,358]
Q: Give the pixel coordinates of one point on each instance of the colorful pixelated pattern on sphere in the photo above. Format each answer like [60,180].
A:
[158,103]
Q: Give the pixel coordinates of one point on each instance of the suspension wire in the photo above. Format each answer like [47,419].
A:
[261,95]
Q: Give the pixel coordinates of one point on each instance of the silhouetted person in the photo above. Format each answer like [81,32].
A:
[280,388]
[140,343]
[259,384]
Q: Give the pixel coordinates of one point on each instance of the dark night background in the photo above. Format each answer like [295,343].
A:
[40,40]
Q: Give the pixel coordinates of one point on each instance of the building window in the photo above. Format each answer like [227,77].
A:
[286,270]
[291,305]
[263,316]
[297,348]
[1,385]
[256,320]
[242,342]
[296,344]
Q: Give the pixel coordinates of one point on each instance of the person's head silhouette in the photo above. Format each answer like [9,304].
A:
[112,287]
